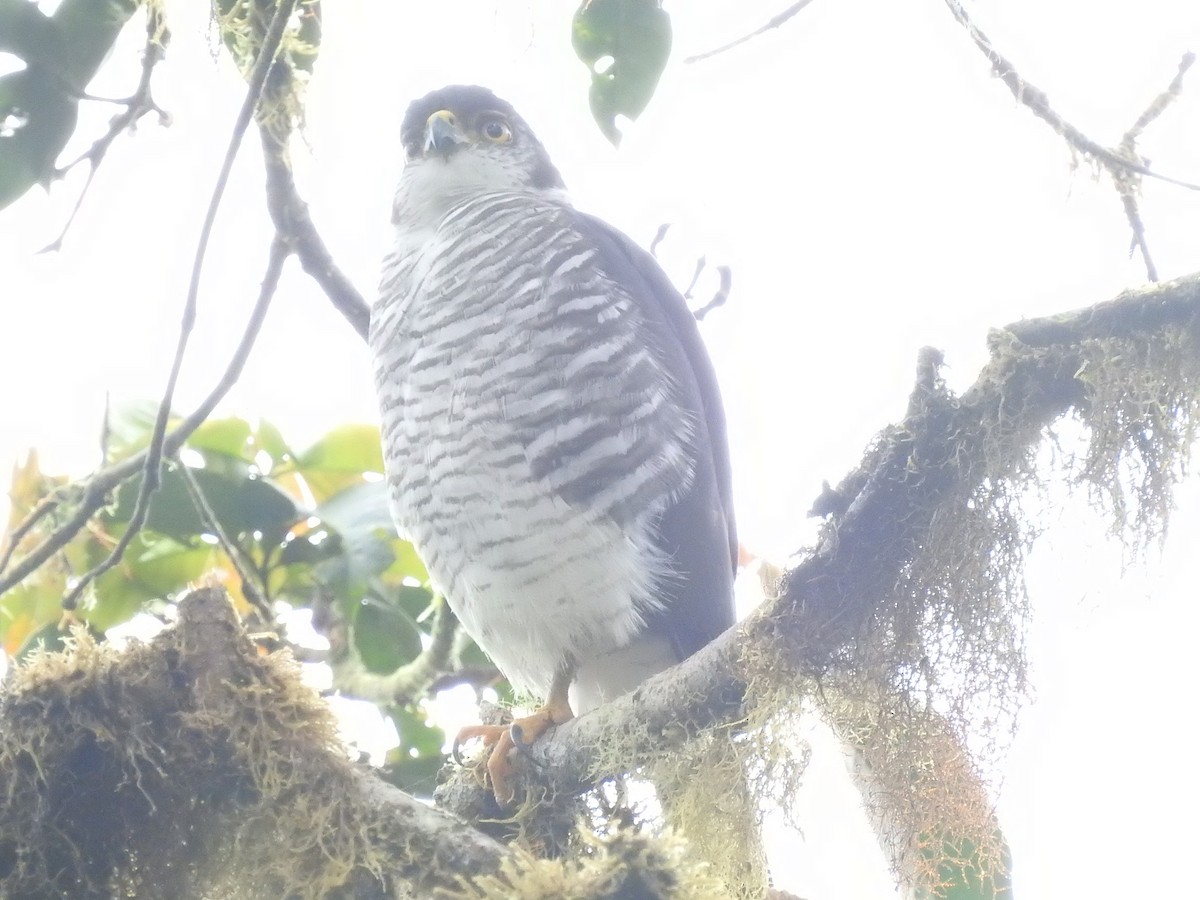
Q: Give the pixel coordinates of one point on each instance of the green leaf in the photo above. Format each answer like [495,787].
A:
[270,440]
[39,105]
[414,601]
[360,517]
[241,503]
[339,459]
[26,610]
[49,637]
[406,564]
[413,765]
[129,426]
[625,44]
[232,437]
[37,118]
[384,636]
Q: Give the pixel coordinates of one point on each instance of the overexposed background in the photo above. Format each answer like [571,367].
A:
[873,189]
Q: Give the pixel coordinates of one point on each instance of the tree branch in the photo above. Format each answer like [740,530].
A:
[1036,101]
[136,105]
[1129,185]
[889,504]
[292,221]
[98,488]
[409,682]
[774,22]
[238,759]
[153,467]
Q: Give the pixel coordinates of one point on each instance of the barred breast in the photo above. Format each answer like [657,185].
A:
[531,433]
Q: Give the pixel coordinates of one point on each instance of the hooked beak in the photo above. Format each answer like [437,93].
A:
[442,134]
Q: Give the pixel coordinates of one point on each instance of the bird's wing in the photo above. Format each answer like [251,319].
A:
[697,530]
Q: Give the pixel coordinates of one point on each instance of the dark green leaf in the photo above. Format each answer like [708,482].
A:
[413,600]
[39,105]
[241,503]
[384,636]
[48,637]
[625,44]
[360,517]
[413,766]
[37,118]
[415,775]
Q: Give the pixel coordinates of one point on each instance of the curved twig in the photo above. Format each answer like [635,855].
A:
[290,215]
[152,469]
[100,485]
[237,556]
[1036,101]
[774,22]
[138,104]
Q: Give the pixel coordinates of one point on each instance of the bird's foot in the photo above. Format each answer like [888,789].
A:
[503,739]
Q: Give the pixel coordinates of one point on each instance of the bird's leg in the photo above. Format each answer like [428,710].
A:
[521,733]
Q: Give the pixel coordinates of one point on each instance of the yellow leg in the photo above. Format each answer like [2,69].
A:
[522,732]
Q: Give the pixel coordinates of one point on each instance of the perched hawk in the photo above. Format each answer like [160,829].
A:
[554,437]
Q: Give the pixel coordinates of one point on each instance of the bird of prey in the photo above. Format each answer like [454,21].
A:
[553,432]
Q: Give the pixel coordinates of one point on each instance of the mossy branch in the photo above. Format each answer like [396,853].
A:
[882,516]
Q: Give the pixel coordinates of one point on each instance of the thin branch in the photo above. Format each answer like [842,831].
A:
[99,487]
[237,556]
[44,507]
[1128,185]
[1159,104]
[258,78]
[1034,99]
[290,214]
[774,22]
[137,105]
[658,238]
[721,295]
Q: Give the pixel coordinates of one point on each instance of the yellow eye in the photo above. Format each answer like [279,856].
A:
[496,130]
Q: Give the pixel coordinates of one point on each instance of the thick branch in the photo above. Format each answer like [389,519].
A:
[235,759]
[888,505]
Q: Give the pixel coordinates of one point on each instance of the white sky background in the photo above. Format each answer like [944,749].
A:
[873,190]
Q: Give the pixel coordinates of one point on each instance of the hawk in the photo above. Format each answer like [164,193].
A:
[554,436]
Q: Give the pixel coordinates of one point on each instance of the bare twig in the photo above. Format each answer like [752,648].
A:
[237,556]
[99,486]
[774,22]
[1162,101]
[1034,99]
[658,238]
[136,106]
[721,295]
[293,223]
[152,469]
[43,508]
[701,263]
[1128,185]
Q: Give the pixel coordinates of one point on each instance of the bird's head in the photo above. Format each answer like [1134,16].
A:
[462,141]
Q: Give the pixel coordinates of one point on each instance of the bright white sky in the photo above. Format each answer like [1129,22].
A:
[874,191]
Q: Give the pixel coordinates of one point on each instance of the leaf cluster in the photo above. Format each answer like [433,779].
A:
[281,529]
